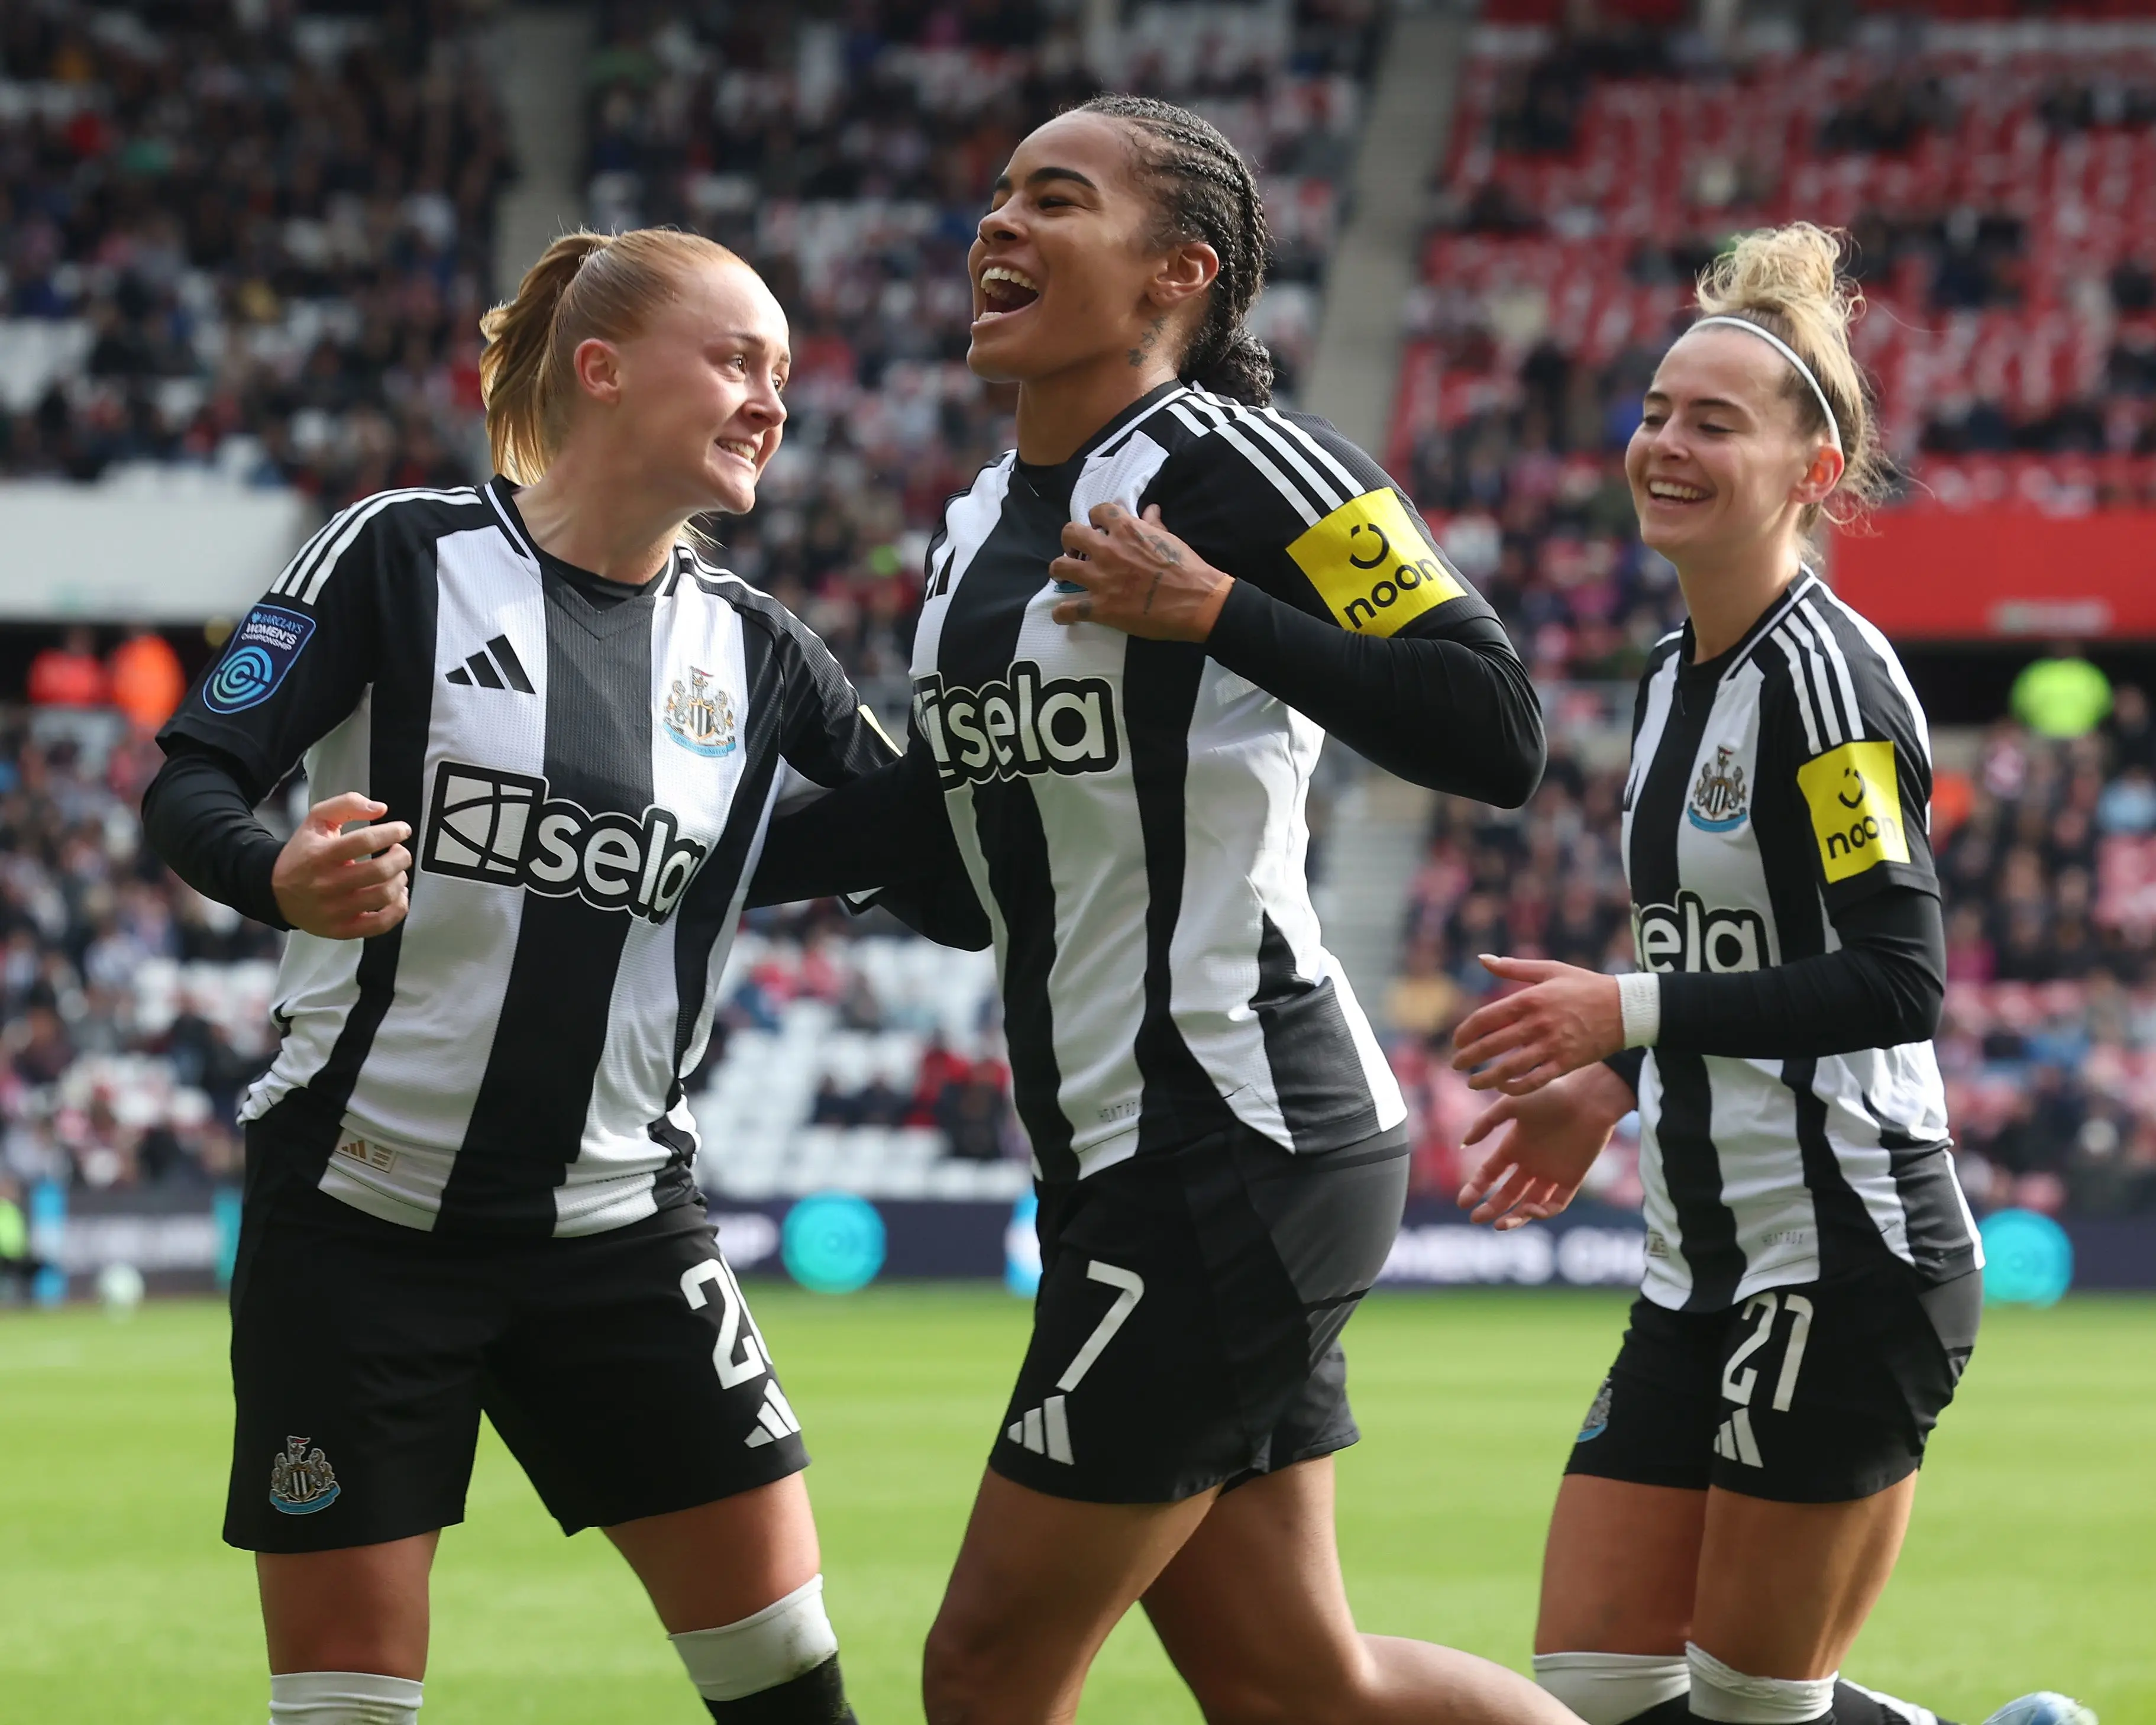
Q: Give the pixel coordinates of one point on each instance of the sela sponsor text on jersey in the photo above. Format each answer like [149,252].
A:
[1026,726]
[484,824]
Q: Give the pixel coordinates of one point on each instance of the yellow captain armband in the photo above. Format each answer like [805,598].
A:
[1855,798]
[1373,564]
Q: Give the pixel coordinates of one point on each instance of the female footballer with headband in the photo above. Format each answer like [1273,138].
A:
[1739,1492]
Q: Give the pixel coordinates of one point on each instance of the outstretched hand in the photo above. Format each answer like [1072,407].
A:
[1566,1017]
[1137,577]
[1537,1150]
[345,886]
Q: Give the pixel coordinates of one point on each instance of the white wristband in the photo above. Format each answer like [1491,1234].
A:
[1639,998]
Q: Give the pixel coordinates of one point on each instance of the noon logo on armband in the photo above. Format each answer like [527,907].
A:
[1373,563]
[488,825]
[1028,724]
[263,648]
[1855,799]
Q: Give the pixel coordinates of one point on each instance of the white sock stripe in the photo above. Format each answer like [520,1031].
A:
[1727,1697]
[343,1698]
[787,1638]
[1609,1688]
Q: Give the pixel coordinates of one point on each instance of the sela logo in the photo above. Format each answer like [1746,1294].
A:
[486,823]
[1855,799]
[1029,726]
[1688,936]
[1373,565]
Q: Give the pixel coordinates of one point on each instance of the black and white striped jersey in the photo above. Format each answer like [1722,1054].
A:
[587,784]
[1132,814]
[1769,789]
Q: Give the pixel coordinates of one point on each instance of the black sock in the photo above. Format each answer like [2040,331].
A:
[816,1697]
[1675,1710]
[1859,1706]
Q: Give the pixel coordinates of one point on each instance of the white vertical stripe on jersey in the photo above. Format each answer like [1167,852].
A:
[317,979]
[637,1062]
[1836,657]
[1668,1278]
[1888,659]
[1795,654]
[1233,434]
[1753,1124]
[1286,427]
[420,1078]
[1730,859]
[1833,726]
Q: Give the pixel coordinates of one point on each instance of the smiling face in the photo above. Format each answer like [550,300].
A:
[1719,464]
[1063,269]
[695,393]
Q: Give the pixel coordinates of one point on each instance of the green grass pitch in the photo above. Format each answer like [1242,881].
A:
[2032,1562]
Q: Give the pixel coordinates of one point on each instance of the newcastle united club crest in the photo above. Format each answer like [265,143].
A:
[1718,800]
[699,717]
[302,1480]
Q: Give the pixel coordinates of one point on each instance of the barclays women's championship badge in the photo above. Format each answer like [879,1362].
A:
[1718,799]
[302,1480]
[699,717]
[263,648]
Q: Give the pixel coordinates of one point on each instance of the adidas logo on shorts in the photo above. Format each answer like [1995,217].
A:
[1044,1430]
[775,1418]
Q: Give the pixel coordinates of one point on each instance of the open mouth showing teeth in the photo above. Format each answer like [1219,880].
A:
[743,447]
[1008,289]
[1670,491]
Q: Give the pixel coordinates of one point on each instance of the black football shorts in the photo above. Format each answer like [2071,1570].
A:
[1186,1331]
[623,1369]
[1820,1393]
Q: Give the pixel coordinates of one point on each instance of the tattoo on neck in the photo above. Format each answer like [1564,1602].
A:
[1150,339]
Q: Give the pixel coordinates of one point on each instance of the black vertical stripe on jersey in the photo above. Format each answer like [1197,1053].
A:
[527,1121]
[1848,1238]
[1318,1071]
[1938,1237]
[1691,1166]
[706,908]
[1177,1100]
[399,713]
[978,642]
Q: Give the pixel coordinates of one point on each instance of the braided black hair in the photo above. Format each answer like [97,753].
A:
[1205,191]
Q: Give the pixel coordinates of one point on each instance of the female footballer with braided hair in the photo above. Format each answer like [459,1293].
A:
[1137,628]
[1738,1494]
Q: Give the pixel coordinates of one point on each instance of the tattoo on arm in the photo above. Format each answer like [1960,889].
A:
[1150,339]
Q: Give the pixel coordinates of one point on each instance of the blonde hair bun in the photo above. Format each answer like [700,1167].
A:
[1790,280]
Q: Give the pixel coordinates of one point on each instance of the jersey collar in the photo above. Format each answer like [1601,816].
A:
[1718,669]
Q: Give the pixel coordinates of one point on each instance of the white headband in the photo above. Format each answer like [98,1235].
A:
[1789,353]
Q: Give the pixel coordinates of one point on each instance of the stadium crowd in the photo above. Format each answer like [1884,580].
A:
[246,238]
[257,239]
[1999,180]
[849,159]
[2048,856]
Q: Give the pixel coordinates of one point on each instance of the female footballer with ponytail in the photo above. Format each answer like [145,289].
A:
[543,735]
[1738,1494]
[1137,628]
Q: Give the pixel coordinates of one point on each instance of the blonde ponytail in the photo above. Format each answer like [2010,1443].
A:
[585,284]
[1788,281]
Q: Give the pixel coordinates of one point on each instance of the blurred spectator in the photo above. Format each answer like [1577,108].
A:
[132,1013]
[2062,695]
[69,675]
[252,238]
[147,682]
